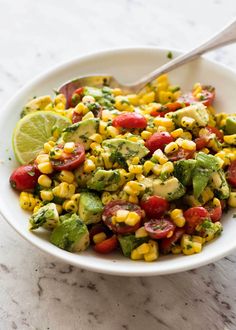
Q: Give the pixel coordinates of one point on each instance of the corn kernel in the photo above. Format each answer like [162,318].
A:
[141,232]
[88,99]
[116,91]
[96,138]
[135,255]
[45,168]
[132,219]
[66,176]
[102,127]
[177,217]
[28,201]
[232,199]
[47,147]
[135,161]
[106,197]
[46,195]
[133,199]
[188,145]
[187,122]
[216,202]
[167,168]
[160,157]
[143,248]
[165,122]
[230,139]
[146,135]
[207,195]
[171,147]
[161,129]
[165,97]
[136,169]
[44,181]
[112,131]
[153,251]
[70,206]
[205,150]
[177,133]
[133,99]
[99,238]
[121,215]
[157,169]
[81,108]
[148,166]
[89,166]
[59,208]
[42,158]
[69,147]
[75,198]
[64,190]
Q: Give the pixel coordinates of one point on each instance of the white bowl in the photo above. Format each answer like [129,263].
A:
[127,65]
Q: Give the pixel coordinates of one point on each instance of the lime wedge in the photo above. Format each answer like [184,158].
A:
[32,131]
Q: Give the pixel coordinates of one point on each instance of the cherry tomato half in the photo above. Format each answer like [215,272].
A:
[167,243]
[232,173]
[164,109]
[159,228]
[154,206]
[106,246]
[201,142]
[98,228]
[195,216]
[181,154]
[158,141]
[76,117]
[69,161]
[215,213]
[25,178]
[111,209]
[130,120]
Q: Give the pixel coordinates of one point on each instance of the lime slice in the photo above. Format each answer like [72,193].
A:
[32,131]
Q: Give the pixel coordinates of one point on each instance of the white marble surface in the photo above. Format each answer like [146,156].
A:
[37,291]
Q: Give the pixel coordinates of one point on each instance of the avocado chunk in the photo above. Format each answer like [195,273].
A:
[130,242]
[90,208]
[196,111]
[36,104]
[183,170]
[71,235]
[230,125]
[124,149]
[81,177]
[109,180]
[47,216]
[220,185]
[170,189]
[80,132]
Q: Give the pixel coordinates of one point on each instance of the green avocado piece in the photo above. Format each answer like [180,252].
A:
[81,131]
[90,208]
[124,149]
[36,104]
[130,242]
[170,189]
[47,216]
[207,161]
[230,125]
[196,111]
[108,180]
[183,170]
[201,177]
[71,235]
[220,184]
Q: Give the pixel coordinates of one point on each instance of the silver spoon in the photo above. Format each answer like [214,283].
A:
[226,36]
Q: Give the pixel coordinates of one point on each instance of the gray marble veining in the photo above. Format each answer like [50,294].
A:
[39,292]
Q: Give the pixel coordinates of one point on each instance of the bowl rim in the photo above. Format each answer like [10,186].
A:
[95,267]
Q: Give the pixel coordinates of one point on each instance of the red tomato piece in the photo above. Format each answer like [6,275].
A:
[154,206]
[130,120]
[25,178]
[111,209]
[187,99]
[106,246]
[181,154]
[232,173]
[194,216]
[163,109]
[75,97]
[159,228]
[76,117]
[201,142]
[215,213]
[207,96]
[69,161]
[158,141]
[219,134]
[167,243]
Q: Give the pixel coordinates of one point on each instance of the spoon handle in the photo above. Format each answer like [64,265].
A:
[226,36]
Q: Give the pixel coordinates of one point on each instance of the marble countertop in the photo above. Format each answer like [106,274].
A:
[39,292]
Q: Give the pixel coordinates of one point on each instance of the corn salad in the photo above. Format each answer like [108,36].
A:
[150,173]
